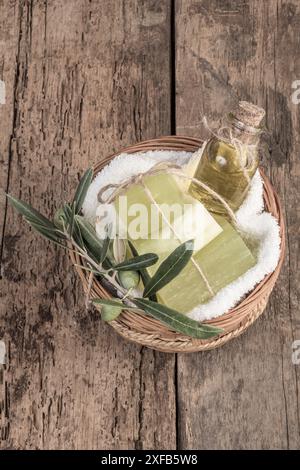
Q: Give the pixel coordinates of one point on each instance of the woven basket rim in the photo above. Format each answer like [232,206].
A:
[148,331]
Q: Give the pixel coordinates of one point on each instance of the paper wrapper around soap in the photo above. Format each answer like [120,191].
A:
[219,251]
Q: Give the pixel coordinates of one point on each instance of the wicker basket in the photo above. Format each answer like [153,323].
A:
[149,332]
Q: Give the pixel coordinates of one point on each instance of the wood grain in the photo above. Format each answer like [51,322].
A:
[245,395]
[9,48]
[83,79]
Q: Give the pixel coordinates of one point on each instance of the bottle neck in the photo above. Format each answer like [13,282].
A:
[245,134]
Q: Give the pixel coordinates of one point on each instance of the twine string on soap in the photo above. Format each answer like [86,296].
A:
[160,167]
[169,168]
[171,227]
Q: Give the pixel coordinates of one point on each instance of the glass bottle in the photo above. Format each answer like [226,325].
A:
[230,159]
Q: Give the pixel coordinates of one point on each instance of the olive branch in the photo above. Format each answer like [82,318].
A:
[105,258]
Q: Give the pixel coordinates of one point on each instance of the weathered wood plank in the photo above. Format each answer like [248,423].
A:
[8,70]
[92,76]
[9,34]
[245,395]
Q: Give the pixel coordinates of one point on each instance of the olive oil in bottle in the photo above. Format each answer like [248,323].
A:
[228,163]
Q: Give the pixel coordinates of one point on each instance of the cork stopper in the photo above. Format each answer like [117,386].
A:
[249,114]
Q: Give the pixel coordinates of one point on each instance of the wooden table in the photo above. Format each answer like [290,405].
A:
[83,79]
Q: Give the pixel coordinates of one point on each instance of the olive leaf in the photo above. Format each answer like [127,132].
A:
[143,272]
[105,245]
[177,321]
[37,221]
[59,219]
[64,218]
[170,268]
[137,262]
[31,214]
[67,212]
[82,190]
[77,234]
[90,238]
[92,243]
[71,226]
[47,233]
[69,215]
[53,230]
[119,249]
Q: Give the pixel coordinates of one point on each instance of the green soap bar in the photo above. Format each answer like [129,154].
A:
[164,191]
[222,261]
[140,213]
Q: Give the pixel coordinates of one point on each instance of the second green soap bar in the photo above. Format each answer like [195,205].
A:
[222,261]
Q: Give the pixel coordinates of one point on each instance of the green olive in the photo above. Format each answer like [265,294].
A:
[110,312]
[129,279]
